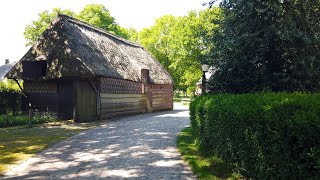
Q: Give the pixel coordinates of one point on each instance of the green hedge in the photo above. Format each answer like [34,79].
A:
[10,100]
[10,120]
[264,136]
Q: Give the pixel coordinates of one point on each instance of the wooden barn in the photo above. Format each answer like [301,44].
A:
[82,72]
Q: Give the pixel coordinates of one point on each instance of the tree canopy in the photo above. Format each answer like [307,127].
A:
[34,30]
[181,44]
[94,14]
[267,45]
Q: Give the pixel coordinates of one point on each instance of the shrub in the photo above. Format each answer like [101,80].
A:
[264,135]
[10,100]
[10,120]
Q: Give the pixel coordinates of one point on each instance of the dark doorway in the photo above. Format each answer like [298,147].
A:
[65,91]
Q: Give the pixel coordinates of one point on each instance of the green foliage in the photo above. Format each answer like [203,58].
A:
[10,84]
[10,98]
[203,165]
[271,45]
[264,136]
[99,16]
[14,119]
[181,44]
[33,31]
[94,14]
[133,34]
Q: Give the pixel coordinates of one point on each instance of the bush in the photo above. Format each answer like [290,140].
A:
[10,120]
[264,136]
[10,100]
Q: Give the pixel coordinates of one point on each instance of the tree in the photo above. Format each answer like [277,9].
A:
[267,45]
[94,14]
[181,44]
[133,34]
[97,15]
[33,31]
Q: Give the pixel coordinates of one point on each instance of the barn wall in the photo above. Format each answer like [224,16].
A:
[53,96]
[121,97]
[120,86]
[114,105]
[160,97]
[42,95]
[87,101]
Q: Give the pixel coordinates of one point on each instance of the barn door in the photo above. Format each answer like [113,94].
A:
[65,91]
[86,108]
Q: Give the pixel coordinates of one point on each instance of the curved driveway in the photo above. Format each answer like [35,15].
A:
[136,147]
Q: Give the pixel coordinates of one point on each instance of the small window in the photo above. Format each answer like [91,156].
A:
[34,69]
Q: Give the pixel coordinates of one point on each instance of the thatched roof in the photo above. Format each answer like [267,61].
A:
[73,48]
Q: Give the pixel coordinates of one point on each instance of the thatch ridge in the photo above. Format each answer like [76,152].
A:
[99,30]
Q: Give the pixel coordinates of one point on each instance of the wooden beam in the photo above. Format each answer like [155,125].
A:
[98,99]
[24,94]
[121,100]
[116,96]
[75,89]
[93,86]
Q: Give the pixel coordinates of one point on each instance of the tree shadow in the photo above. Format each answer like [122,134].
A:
[136,147]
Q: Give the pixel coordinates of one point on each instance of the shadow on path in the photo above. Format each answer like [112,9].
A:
[136,147]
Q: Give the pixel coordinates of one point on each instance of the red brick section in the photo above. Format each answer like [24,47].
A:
[161,96]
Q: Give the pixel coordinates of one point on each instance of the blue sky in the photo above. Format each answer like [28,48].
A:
[16,14]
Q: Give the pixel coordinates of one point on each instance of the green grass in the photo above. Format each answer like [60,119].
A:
[18,144]
[203,166]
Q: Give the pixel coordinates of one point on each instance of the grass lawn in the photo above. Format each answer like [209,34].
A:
[184,101]
[203,166]
[18,144]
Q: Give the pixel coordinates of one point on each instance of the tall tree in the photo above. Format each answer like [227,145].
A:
[94,14]
[33,31]
[273,45]
[99,16]
[181,44]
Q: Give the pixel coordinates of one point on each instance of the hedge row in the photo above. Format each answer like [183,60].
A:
[10,100]
[20,119]
[265,136]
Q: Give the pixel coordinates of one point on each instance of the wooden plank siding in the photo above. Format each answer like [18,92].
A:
[120,97]
[90,100]
[114,105]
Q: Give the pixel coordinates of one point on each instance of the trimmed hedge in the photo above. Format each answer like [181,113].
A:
[264,136]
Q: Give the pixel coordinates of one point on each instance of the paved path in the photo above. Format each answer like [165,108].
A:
[136,147]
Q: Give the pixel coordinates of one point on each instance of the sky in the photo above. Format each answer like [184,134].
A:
[16,14]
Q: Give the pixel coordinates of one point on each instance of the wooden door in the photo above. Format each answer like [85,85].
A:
[86,102]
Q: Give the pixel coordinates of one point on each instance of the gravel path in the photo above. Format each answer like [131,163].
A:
[136,147]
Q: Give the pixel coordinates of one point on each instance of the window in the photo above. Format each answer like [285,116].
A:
[34,69]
